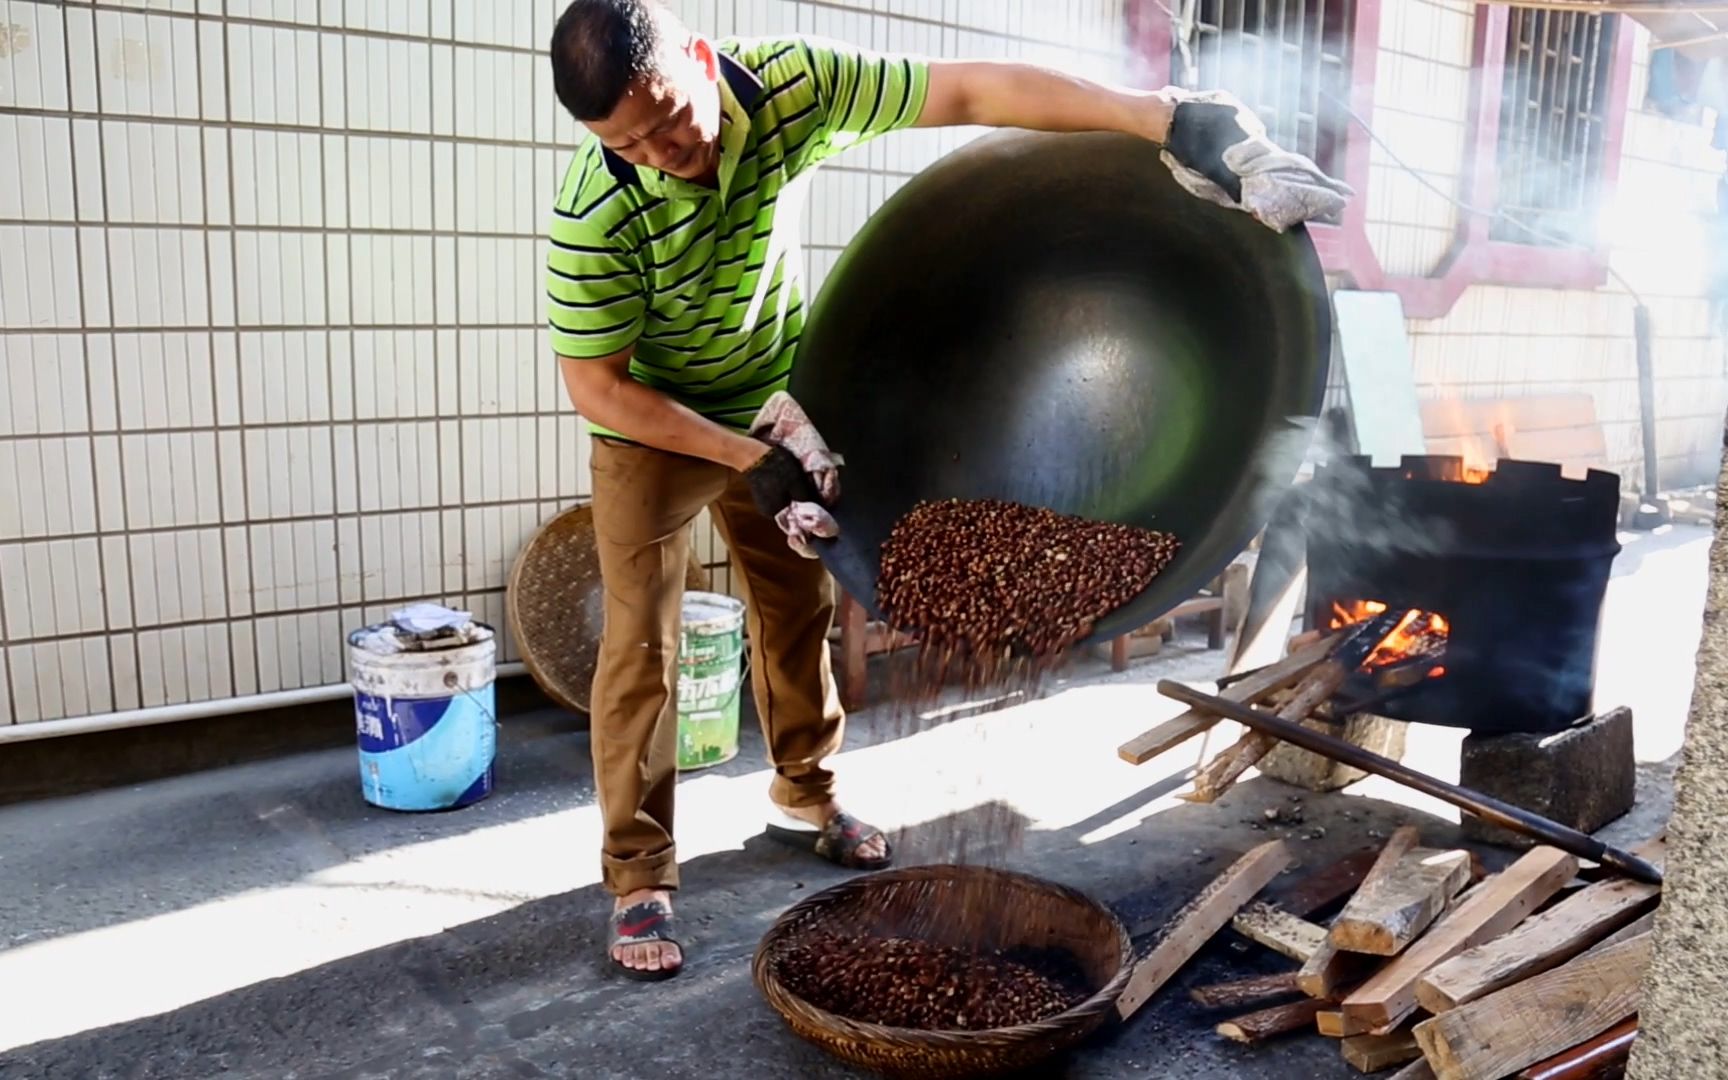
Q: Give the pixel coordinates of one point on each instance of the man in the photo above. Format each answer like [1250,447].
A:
[675,313]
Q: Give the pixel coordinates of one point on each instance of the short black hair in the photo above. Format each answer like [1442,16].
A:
[598,48]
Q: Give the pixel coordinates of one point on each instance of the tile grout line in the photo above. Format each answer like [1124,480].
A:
[244,520]
[102,228]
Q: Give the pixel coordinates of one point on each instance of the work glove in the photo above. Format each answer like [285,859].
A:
[797,478]
[1218,150]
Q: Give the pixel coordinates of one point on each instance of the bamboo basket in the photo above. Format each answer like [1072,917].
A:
[969,907]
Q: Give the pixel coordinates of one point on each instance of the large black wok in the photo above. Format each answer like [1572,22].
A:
[1050,319]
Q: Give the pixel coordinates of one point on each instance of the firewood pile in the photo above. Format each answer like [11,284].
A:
[1418,960]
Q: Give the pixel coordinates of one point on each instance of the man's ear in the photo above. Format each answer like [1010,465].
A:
[701,50]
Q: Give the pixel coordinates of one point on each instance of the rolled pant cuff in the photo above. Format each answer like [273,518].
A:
[624,876]
[797,795]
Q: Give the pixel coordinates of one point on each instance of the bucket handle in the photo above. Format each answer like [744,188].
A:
[451,682]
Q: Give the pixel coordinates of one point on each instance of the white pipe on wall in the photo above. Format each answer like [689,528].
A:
[192,710]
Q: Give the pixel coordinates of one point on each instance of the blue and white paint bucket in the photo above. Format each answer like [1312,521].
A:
[424,711]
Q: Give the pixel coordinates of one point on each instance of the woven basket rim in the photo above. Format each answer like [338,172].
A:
[922,1039]
[552,688]
[575,700]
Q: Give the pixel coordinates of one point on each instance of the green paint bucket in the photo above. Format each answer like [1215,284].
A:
[710,676]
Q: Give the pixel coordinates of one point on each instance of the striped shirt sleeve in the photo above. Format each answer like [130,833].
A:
[864,94]
[595,299]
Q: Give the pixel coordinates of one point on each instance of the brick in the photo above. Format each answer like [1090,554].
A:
[1584,777]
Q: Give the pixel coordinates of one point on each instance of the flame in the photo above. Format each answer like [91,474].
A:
[1479,432]
[1418,633]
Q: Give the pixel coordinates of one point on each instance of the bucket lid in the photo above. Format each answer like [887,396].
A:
[703,608]
[421,628]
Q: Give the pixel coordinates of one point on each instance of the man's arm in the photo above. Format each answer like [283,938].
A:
[996,94]
[603,391]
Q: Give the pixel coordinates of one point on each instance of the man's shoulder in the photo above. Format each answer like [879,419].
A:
[591,197]
[781,54]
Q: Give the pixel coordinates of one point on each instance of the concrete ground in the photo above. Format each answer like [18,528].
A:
[261,920]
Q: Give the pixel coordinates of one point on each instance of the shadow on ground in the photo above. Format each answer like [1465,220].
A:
[526,993]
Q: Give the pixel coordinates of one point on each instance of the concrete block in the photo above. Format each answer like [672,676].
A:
[1584,777]
[1303,769]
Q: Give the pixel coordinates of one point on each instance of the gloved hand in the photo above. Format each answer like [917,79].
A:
[797,476]
[1218,150]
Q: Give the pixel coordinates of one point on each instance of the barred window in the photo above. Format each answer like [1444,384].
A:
[1553,118]
[1288,60]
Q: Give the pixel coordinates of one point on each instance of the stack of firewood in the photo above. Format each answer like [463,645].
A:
[1430,964]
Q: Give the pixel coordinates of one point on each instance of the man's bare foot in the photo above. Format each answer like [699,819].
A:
[871,850]
[651,956]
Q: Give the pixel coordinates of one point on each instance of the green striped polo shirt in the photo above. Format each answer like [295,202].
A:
[703,282]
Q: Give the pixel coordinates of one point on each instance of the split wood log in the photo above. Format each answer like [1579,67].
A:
[1488,910]
[1333,1024]
[1602,1058]
[1323,888]
[1197,922]
[1539,1017]
[1256,1028]
[1384,918]
[1315,689]
[1245,992]
[1416,1070]
[1377,1053]
[1252,689]
[1329,968]
[1280,931]
[1546,941]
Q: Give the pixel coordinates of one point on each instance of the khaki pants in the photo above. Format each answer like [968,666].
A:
[643,500]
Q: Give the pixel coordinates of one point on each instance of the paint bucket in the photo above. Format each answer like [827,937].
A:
[710,676]
[424,712]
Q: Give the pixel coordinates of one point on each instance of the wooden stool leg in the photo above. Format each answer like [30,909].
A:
[854,640]
[1119,653]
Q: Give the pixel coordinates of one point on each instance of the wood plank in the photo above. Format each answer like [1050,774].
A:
[1643,926]
[1603,1057]
[1544,942]
[1377,1053]
[1538,1018]
[1280,931]
[1221,774]
[1490,909]
[1256,1028]
[1383,918]
[1172,733]
[1330,968]
[1245,992]
[1323,888]
[1196,923]
[1333,1024]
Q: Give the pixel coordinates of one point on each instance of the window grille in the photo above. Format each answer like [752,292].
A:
[1288,60]
[1553,118]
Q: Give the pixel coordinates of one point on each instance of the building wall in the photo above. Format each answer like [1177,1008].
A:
[271,358]
[1500,341]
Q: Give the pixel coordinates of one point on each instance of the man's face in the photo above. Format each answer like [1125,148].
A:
[670,121]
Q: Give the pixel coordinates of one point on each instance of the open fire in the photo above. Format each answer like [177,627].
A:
[1493,571]
[1420,636]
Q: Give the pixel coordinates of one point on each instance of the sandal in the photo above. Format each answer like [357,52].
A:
[642,924]
[837,841]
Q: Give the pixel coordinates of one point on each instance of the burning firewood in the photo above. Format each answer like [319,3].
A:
[1350,653]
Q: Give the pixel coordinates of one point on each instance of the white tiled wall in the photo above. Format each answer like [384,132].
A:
[271,358]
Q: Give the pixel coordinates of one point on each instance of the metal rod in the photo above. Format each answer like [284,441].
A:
[1643,336]
[1489,809]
